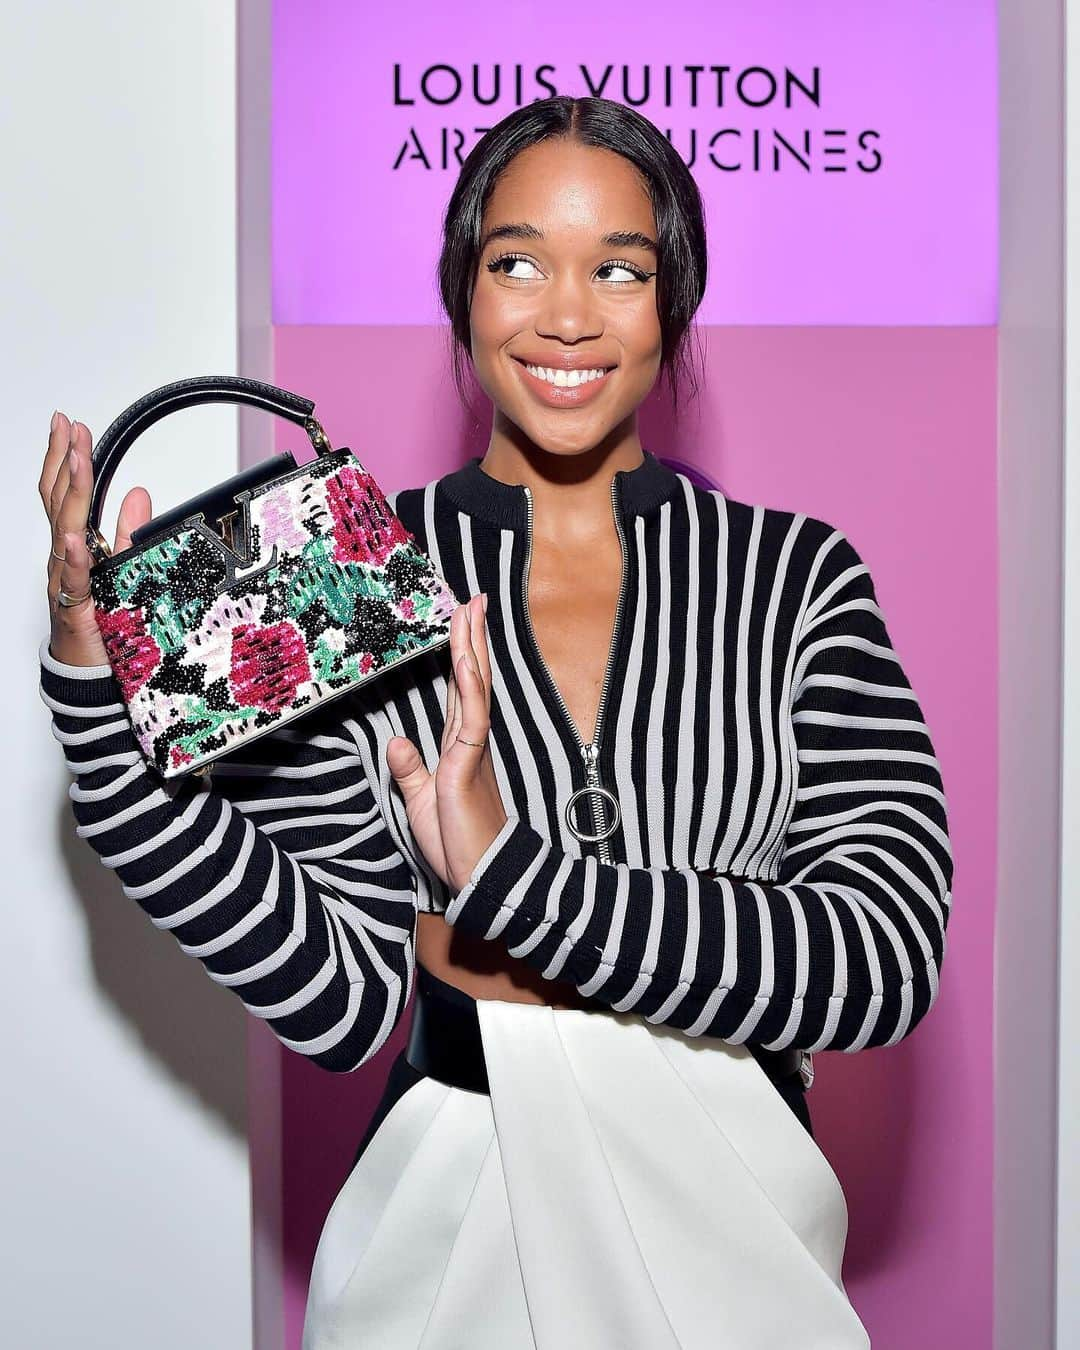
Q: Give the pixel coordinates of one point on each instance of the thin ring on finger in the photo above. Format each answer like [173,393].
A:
[479,744]
[60,556]
[67,600]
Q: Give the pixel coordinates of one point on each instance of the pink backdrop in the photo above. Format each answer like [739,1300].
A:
[816,399]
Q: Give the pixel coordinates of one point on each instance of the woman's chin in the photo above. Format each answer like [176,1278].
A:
[563,433]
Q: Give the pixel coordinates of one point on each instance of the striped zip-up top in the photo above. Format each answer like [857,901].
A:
[774,864]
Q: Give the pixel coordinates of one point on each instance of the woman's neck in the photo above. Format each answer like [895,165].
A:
[571,487]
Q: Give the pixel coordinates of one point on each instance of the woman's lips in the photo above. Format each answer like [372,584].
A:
[562,396]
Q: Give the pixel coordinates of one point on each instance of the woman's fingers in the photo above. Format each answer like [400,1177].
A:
[458,624]
[472,686]
[478,639]
[135,510]
[74,507]
[55,465]
[55,479]
[74,575]
[467,712]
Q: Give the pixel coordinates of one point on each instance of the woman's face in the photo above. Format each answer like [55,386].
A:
[551,292]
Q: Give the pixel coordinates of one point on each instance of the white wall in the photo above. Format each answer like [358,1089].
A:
[1068,1219]
[122,1136]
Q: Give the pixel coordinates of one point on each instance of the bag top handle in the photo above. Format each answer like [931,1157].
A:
[122,432]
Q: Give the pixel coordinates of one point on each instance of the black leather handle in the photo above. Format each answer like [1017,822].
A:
[122,432]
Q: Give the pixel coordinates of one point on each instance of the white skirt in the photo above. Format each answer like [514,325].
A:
[624,1187]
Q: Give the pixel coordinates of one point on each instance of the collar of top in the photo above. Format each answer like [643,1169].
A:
[640,491]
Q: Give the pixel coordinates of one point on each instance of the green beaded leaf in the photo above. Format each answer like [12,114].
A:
[196,710]
[337,585]
[170,624]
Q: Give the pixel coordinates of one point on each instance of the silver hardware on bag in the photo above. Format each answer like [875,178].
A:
[806,1069]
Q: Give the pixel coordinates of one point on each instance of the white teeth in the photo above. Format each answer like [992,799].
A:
[568,379]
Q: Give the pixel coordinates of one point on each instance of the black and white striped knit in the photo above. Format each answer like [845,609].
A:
[781,870]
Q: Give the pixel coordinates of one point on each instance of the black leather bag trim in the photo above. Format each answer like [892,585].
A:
[217,501]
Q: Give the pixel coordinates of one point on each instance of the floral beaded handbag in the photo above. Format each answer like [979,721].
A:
[261,598]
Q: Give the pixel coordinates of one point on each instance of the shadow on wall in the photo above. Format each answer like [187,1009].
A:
[193,1027]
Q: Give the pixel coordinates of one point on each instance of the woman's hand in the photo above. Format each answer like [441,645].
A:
[64,488]
[456,811]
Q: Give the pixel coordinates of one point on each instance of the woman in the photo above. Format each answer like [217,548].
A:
[663,818]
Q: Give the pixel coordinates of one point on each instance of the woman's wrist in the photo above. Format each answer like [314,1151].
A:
[65,686]
[71,669]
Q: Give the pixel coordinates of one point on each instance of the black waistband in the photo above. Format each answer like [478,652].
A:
[445,1042]
[444,1039]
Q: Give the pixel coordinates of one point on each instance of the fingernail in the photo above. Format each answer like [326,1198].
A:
[71,435]
[484,594]
[55,419]
[73,459]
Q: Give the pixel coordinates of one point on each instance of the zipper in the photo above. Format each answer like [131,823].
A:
[590,753]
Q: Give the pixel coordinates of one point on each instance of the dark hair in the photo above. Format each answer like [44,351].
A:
[673,191]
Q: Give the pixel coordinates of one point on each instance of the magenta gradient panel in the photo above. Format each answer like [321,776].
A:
[846,152]
[890,434]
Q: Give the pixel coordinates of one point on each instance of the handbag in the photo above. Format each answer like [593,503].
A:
[259,599]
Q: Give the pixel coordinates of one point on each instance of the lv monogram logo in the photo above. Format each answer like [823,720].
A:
[232,530]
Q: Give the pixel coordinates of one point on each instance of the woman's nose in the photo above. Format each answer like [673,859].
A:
[569,310]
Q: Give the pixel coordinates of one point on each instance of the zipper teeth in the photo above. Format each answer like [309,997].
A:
[618,619]
[593,774]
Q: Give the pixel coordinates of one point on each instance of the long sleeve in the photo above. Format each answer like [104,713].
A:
[281,877]
[844,949]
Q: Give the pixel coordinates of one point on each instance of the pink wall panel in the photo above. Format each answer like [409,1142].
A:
[889,433]
[845,151]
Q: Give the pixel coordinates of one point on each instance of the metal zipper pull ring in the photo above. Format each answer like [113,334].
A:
[569,814]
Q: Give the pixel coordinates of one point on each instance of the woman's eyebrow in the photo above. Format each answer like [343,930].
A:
[628,239]
[614,239]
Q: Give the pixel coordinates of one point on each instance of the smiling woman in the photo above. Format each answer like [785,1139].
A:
[663,821]
[609,225]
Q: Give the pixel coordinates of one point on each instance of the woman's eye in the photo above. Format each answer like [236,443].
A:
[511,260]
[634,273]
